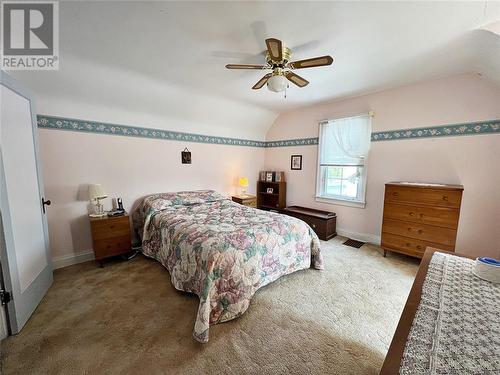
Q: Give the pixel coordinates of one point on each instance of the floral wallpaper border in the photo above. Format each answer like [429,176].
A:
[61,123]
[293,142]
[469,128]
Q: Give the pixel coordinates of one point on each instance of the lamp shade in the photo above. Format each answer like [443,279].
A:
[277,83]
[96,192]
[243,181]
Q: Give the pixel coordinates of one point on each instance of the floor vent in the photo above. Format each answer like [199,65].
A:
[354,243]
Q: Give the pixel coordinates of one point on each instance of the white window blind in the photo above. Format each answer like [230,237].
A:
[344,145]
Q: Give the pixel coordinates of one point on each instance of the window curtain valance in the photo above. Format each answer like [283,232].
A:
[345,141]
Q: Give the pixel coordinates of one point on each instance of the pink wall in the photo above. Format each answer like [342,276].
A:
[468,160]
[134,167]
[129,168]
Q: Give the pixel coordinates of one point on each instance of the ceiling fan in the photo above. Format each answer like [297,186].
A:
[278,60]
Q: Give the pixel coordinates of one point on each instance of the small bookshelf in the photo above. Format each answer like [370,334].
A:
[275,200]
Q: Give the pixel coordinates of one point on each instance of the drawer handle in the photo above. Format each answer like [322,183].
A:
[445,197]
[412,213]
[395,194]
[111,227]
[419,247]
[408,244]
[314,225]
[420,231]
[421,216]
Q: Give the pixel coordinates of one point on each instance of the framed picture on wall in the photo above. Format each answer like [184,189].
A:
[269,176]
[186,156]
[296,162]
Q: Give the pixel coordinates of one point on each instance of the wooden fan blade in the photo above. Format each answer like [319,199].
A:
[275,49]
[298,80]
[262,81]
[245,66]
[310,63]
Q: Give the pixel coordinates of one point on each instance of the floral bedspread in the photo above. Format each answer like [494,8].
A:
[222,251]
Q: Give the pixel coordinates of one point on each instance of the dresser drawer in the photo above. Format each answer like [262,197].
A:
[437,235]
[409,246]
[110,228]
[431,197]
[438,216]
[111,246]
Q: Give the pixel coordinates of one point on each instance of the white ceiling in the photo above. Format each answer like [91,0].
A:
[169,57]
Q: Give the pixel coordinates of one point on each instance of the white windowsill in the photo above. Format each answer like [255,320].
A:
[341,202]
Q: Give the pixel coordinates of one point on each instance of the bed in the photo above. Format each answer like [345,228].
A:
[220,250]
[450,323]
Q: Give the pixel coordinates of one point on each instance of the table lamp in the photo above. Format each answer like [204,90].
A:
[244,184]
[95,195]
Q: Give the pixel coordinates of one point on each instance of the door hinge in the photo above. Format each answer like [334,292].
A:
[5,297]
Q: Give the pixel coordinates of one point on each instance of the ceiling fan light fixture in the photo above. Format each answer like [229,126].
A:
[277,83]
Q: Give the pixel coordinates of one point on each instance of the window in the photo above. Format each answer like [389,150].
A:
[342,163]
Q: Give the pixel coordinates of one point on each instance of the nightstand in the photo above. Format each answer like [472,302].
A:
[245,200]
[110,236]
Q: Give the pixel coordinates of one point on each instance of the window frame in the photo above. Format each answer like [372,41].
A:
[333,199]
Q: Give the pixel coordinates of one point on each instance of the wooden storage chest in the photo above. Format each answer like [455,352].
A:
[324,223]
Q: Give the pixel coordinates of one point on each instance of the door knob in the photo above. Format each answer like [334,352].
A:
[45,203]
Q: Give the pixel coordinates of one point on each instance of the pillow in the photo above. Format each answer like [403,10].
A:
[158,202]
[182,198]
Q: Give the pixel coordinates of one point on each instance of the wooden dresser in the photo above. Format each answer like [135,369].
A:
[418,215]
[110,236]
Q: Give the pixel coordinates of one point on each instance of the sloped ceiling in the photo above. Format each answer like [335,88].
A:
[166,59]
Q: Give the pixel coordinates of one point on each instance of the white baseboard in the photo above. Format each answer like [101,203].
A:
[370,238]
[70,259]
[85,256]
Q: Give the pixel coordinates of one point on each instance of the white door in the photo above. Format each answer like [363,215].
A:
[24,246]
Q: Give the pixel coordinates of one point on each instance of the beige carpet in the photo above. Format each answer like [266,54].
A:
[128,319]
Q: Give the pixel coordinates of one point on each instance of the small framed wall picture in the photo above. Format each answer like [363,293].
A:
[186,156]
[269,190]
[296,162]
[269,176]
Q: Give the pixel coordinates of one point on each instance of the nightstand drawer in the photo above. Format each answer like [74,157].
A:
[111,246]
[110,228]
[248,200]
[250,203]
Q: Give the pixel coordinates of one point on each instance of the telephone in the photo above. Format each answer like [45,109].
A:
[119,211]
